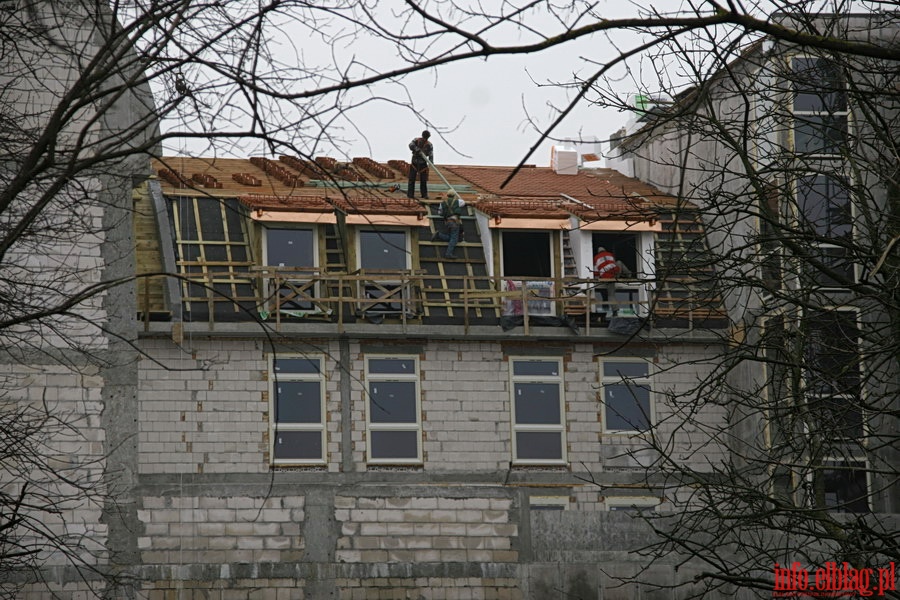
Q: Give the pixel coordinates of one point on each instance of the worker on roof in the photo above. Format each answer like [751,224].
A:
[451,209]
[421,149]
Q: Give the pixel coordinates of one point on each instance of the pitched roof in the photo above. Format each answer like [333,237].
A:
[591,186]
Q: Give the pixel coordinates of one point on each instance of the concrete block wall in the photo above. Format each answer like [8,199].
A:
[218,530]
[465,406]
[60,408]
[457,526]
[203,409]
[429,588]
[246,588]
[425,530]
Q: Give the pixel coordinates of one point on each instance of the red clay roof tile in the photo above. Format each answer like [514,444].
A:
[588,186]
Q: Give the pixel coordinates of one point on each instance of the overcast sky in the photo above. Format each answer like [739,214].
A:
[478,111]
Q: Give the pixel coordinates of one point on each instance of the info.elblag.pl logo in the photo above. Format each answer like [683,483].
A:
[833,581]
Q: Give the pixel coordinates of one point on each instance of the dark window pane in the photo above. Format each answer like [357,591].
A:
[627,407]
[290,247]
[535,367]
[818,86]
[392,402]
[298,445]
[395,444]
[296,296]
[543,445]
[393,366]
[824,204]
[526,254]
[823,134]
[392,295]
[836,268]
[625,369]
[837,416]
[298,402]
[832,353]
[845,487]
[537,403]
[382,250]
[833,377]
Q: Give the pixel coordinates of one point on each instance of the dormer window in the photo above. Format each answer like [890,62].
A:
[384,260]
[527,254]
[383,250]
[290,247]
[293,250]
[624,246]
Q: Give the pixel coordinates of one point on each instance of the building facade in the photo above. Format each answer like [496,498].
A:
[788,151]
[334,407]
[276,384]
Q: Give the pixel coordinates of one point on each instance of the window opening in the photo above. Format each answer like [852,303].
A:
[393,415]
[537,411]
[820,106]
[627,399]
[298,411]
[287,248]
[383,250]
[527,254]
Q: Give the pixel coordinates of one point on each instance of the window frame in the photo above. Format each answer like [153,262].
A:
[803,224]
[370,378]
[809,393]
[824,114]
[285,227]
[275,426]
[833,463]
[516,427]
[847,450]
[407,254]
[307,280]
[646,380]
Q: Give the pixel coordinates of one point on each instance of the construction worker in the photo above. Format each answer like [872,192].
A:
[607,268]
[451,209]
[421,148]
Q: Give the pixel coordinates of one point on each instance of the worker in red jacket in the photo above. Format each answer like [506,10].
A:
[606,268]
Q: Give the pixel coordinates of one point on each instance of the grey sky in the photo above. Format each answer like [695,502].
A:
[478,111]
